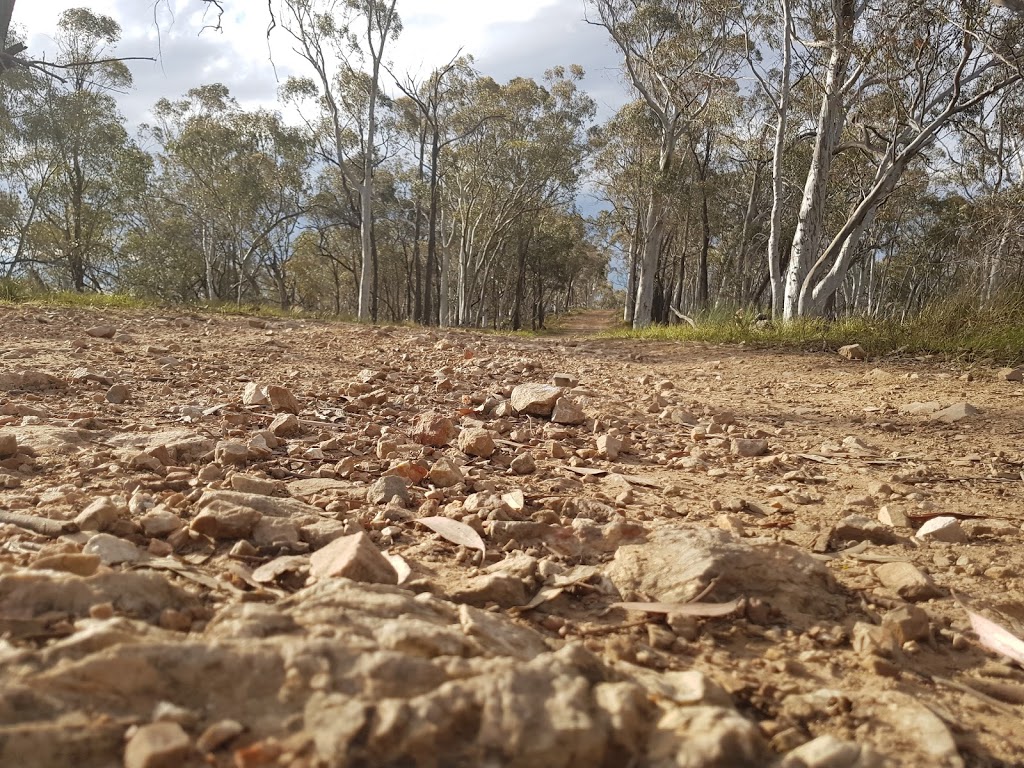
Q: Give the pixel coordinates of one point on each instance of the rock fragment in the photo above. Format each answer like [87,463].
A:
[8,445]
[476,442]
[535,399]
[567,411]
[226,522]
[387,488]
[955,413]
[101,331]
[433,429]
[158,745]
[830,752]
[907,581]
[112,550]
[282,400]
[749,448]
[609,446]
[853,352]
[353,557]
[117,394]
[444,473]
[944,528]
[1011,374]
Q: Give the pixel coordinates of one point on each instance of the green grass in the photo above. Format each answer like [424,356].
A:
[953,330]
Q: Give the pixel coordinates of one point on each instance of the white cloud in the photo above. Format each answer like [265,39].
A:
[508,39]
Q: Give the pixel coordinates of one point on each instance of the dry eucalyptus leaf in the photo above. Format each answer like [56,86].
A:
[455,532]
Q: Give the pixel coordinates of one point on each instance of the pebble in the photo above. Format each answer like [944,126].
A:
[853,352]
[112,550]
[158,745]
[567,411]
[477,442]
[943,528]
[907,581]
[433,429]
[117,394]
[353,557]
[749,448]
[535,399]
[609,446]
[955,413]
[389,488]
[524,464]
[8,445]
[101,331]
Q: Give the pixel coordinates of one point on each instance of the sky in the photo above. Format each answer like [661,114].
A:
[507,39]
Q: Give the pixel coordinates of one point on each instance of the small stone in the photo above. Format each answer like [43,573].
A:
[567,411]
[874,640]
[908,622]
[69,562]
[535,399]
[853,352]
[609,446]
[226,522]
[8,445]
[387,488]
[524,464]
[1012,374]
[271,531]
[158,745]
[907,581]
[249,484]
[476,442]
[955,413]
[858,500]
[255,394]
[830,752]
[99,515]
[282,400]
[231,452]
[218,734]
[433,429]
[117,394]
[353,557]
[285,425]
[112,550]
[502,588]
[749,448]
[101,331]
[563,380]
[894,518]
[920,409]
[444,473]
[943,528]
[860,528]
[160,522]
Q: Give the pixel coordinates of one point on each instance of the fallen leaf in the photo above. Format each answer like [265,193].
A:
[515,500]
[455,532]
[995,637]
[708,610]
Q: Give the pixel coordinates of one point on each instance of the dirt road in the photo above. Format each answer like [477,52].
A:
[191,573]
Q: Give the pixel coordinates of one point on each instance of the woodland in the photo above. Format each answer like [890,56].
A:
[798,158]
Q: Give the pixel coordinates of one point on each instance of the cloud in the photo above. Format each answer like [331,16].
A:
[524,38]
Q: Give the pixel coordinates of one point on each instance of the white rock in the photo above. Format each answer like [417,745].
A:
[943,528]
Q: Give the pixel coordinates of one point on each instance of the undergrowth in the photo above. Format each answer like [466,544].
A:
[956,330]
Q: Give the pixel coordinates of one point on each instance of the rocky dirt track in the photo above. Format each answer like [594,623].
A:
[237,542]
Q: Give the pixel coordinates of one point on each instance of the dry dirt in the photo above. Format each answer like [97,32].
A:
[172,567]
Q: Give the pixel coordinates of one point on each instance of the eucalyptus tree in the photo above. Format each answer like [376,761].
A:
[344,42]
[80,172]
[929,62]
[240,181]
[678,55]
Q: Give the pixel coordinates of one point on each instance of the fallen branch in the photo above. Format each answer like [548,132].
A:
[41,525]
[684,318]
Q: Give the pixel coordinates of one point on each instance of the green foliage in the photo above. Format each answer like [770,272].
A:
[955,329]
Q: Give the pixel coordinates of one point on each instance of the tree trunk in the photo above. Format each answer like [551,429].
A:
[6,13]
[778,177]
[831,118]
[655,231]
[632,265]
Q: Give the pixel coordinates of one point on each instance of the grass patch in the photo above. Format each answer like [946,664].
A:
[954,330]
